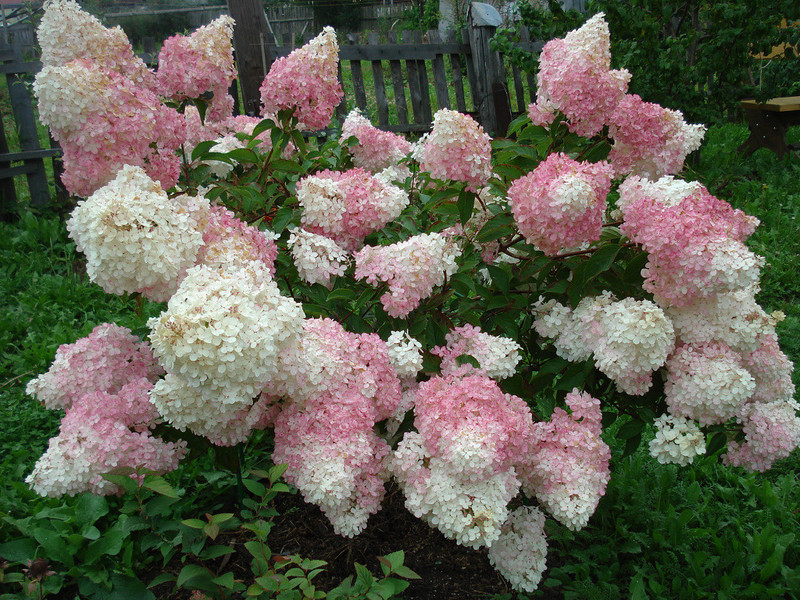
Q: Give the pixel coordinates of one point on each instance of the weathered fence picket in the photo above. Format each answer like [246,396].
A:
[31,153]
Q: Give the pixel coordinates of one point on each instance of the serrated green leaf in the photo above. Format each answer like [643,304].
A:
[159,485]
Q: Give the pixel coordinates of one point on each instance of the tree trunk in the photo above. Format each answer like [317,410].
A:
[253,57]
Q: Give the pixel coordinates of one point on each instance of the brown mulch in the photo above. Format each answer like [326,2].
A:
[448,571]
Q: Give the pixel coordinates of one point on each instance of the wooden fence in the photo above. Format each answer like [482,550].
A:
[32,151]
[399,82]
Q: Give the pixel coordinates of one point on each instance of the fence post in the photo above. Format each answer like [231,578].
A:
[251,26]
[490,95]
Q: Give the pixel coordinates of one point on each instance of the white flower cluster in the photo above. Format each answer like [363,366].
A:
[469,511]
[733,318]
[135,238]
[223,145]
[707,383]
[317,258]
[226,328]
[67,95]
[667,190]
[405,353]
[636,339]
[67,32]
[323,202]
[629,338]
[519,553]
[224,416]
[678,440]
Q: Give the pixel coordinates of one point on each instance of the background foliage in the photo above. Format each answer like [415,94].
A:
[697,56]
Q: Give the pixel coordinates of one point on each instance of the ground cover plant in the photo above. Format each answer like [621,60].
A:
[386,319]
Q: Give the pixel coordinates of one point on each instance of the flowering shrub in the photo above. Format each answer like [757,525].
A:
[462,315]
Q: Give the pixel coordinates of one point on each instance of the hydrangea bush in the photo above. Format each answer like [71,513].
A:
[462,315]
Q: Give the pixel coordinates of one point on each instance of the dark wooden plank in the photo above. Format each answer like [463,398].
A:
[341,110]
[439,75]
[380,89]
[404,51]
[413,82]
[11,172]
[8,194]
[519,89]
[424,86]
[458,82]
[30,154]
[358,84]
[22,105]
[398,84]
[524,37]
[470,68]
[21,67]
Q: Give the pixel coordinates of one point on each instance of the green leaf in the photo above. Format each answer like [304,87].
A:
[191,573]
[630,429]
[202,148]
[280,164]
[163,578]
[125,587]
[125,482]
[18,550]
[159,485]
[601,261]
[225,580]
[341,294]
[465,203]
[194,523]
[213,552]
[255,487]
[54,546]
[363,575]
[89,508]
[262,126]
[108,545]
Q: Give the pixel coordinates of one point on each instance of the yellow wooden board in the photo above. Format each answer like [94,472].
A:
[787,104]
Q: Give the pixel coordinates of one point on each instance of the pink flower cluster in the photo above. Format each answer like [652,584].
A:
[772,432]
[376,149]
[561,203]
[347,206]
[694,241]
[104,361]
[470,422]
[339,385]
[102,381]
[456,148]
[568,469]
[102,432]
[209,52]
[411,269]
[575,78]
[458,472]
[104,121]
[228,240]
[650,140]
[306,82]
